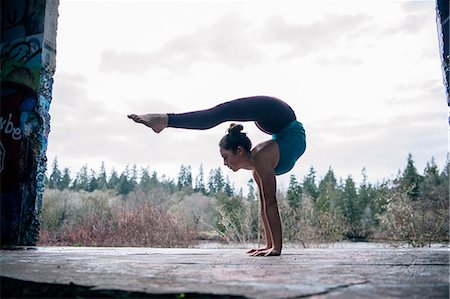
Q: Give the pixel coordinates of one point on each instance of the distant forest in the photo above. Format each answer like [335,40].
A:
[141,208]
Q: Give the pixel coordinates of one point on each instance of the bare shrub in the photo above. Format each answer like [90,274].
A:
[100,219]
[418,222]
[308,233]
[237,219]
[298,224]
[145,225]
[332,227]
[197,211]
[65,208]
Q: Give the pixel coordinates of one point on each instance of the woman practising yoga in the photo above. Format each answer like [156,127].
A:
[267,159]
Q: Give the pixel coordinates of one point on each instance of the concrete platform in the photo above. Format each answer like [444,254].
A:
[226,273]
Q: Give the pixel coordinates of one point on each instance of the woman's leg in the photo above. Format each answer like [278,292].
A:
[270,114]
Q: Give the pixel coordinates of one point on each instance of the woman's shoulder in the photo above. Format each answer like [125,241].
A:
[266,154]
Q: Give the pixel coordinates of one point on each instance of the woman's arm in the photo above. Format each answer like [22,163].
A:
[266,159]
[267,232]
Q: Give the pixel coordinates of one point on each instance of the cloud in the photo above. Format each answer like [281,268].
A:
[419,7]
[416,18]
[410,24]
[415,93]
[306,39]
[228,41]
[232,41]
[79,124]
[71,104]
[75,89]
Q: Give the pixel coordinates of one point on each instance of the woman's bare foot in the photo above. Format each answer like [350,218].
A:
[157,122]
[267,252]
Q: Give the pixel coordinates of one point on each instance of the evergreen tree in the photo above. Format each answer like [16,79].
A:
[55,176]
[381,194]
[211,186]
[216,181]
[365,190]
[81,181]
[113,180]
[65,180]
[133,177]
[168,184]
[93,184]
[228,189]
[200,181]
[309,184]
[145,182]
[184,178]
[328,193]
[430,187]
[219,180]
[349,202]
[154,179]
[102,181]
[366,201]
[125,185]
[410,179]
[294,193]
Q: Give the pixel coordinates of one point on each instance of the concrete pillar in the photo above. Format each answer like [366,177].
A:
[443,20]
[28,50]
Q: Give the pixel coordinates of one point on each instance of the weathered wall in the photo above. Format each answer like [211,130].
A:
[28,50]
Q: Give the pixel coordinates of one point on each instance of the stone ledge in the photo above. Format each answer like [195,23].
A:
[297,273]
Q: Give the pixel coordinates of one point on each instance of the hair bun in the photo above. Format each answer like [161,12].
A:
[235,129]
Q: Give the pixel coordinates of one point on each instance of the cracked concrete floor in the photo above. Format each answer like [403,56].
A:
[199,273]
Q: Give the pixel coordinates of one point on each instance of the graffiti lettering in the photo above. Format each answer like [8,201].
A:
[7,126]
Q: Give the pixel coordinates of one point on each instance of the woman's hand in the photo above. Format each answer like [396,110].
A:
[267,252]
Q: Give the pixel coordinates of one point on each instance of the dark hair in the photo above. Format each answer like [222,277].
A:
[235,138]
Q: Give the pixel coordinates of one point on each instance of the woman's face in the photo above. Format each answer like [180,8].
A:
[232,160]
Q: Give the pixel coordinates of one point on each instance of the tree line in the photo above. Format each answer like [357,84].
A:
[132,179]
[411,202]
[413,207]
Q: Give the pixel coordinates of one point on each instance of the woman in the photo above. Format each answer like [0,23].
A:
[266,160]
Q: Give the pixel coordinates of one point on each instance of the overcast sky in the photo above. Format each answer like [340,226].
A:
[363,77]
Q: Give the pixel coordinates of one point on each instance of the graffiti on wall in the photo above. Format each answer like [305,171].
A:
[21,62]
[18,104]
[22,18]
[25,100]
